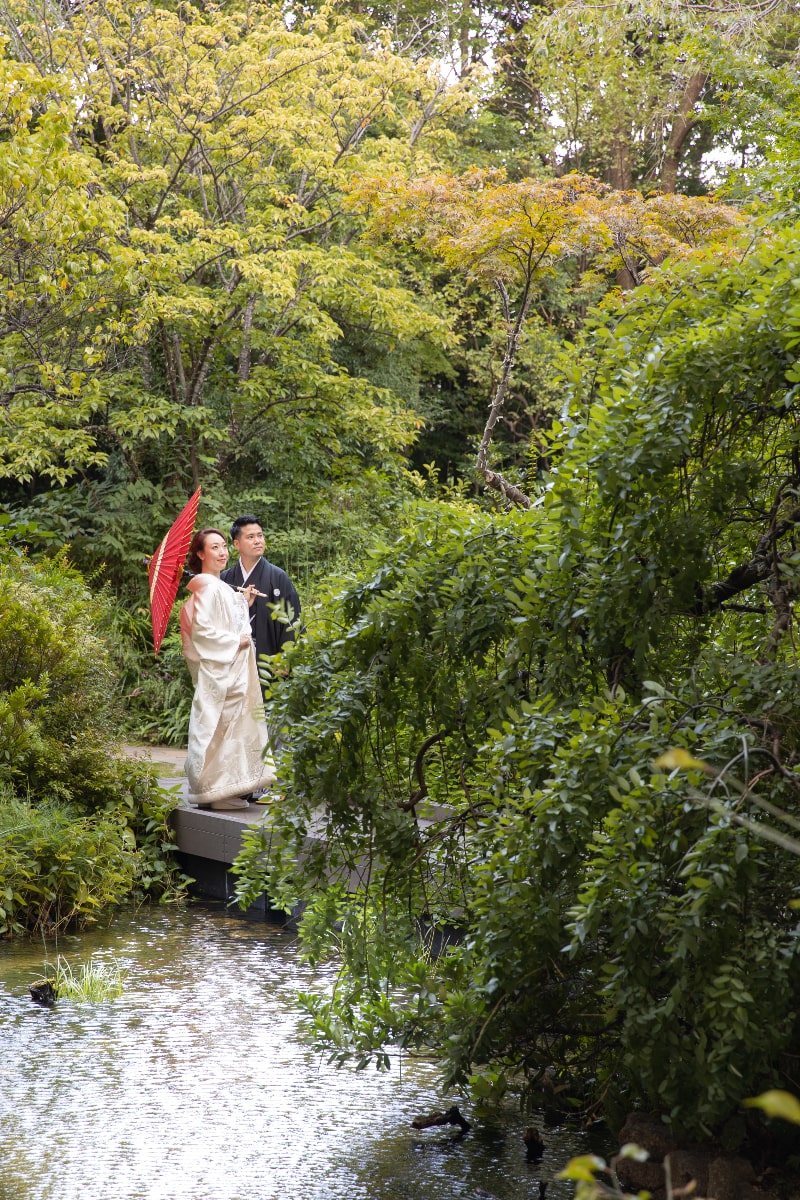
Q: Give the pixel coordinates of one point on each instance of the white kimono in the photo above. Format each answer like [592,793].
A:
[227,735]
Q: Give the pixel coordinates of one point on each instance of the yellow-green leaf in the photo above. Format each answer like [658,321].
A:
[776,1103]
[679,759]
[583,1167]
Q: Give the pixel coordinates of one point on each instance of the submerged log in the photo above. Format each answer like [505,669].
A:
[451,1117]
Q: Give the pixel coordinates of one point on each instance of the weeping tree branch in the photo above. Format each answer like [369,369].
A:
[764,566]
[422,791]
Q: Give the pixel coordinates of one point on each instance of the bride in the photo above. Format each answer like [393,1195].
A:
[227,756]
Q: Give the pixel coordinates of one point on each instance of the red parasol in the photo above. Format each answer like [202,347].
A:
[166,569]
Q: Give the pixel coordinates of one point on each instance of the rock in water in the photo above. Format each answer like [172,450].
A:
[42,992]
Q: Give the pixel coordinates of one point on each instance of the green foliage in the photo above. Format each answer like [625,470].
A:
[475,718]
[476,723]
[84,827]
[59,866]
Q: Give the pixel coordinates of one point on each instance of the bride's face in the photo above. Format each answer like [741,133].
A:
[214,555]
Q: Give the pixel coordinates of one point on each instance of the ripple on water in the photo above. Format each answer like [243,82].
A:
[193,1085]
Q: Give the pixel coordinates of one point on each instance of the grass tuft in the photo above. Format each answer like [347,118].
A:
[95,981]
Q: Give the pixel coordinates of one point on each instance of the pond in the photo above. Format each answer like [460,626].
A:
[194,1084]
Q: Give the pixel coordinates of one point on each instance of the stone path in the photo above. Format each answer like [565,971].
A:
[170,758]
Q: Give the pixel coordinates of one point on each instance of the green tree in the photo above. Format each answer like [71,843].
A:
[221,141]
[647,94]
[65,276]
[518,237]
[478,737]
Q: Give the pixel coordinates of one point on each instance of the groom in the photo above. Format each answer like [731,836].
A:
[254,571]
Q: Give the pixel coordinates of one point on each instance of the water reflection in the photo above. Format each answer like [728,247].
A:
[193,1086]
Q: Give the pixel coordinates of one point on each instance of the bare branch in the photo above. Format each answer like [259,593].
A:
[513,333]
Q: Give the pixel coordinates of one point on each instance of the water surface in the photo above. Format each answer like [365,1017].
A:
[194,1085]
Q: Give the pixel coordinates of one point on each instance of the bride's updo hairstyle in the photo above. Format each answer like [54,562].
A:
[197,544]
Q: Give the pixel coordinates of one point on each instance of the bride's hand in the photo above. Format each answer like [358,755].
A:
[244,640]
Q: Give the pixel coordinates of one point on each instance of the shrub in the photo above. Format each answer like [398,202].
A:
[58,867]
[57,712]
[84,827]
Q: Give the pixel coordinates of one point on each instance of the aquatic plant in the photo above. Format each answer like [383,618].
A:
[96,980]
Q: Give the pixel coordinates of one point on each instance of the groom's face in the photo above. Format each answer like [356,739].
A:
[250,542]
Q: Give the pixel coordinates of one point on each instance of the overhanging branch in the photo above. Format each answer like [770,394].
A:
[757,569]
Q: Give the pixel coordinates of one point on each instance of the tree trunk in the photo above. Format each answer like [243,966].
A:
[244,352]
[463,39]
[682,126]
[621,168]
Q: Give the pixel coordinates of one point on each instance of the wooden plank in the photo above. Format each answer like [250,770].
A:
[214,835]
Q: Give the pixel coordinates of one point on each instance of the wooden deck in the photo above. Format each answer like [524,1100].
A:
[207,841]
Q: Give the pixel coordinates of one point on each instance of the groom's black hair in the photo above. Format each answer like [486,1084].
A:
[240,522]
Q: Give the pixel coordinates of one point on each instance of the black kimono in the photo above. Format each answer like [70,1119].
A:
[268,634]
